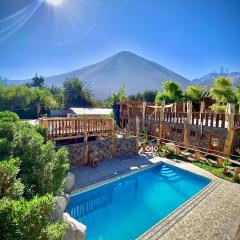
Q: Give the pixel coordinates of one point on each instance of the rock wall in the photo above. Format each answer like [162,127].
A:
[75,154]
[197,135]
[104,149]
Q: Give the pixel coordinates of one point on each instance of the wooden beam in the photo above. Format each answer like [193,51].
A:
[229,141]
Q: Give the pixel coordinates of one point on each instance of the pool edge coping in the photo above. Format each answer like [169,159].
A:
[134,171]
[184,207]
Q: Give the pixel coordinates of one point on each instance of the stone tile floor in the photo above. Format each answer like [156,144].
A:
[86,175]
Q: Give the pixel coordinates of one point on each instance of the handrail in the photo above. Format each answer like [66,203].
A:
[220,120]
[70,126]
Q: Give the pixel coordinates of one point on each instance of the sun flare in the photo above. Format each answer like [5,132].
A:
[54,2]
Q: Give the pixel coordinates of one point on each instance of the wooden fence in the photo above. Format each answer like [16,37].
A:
[74,127]
[220,120]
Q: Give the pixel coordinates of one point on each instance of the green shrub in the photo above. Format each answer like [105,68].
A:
[29,166]
[7,116]
[10,186]
[42,167]
[25,220]
[166,151]
[5,147]
[218,108]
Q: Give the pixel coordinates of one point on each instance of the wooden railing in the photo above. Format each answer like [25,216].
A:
[205,119]
[73,127]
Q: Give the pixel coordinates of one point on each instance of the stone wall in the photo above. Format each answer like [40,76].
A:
[197,135]
[201,138]
[104,149]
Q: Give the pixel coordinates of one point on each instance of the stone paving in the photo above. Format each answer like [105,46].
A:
[107,169]
[213,214]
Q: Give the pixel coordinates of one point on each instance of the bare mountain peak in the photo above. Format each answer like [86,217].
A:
[137,73]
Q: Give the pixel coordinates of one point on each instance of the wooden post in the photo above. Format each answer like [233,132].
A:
[128,117]
[236,174]
[137,128]
[161,130]
[202,107]
[85,141]
[229,141]
[230,111]
[143,114]
[186,133]
[220,161]
[197,155]
[189,111]
[113,139]
[177,152]
[158,143]
[121,116]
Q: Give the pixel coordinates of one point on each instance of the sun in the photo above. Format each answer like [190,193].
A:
[54,2]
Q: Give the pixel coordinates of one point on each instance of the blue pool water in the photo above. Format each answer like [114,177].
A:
[126,208]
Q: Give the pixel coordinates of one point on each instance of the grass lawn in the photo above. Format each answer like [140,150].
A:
[215,170]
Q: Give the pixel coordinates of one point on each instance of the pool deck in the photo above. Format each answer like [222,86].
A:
[213,214]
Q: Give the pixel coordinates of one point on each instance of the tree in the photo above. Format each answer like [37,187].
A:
[76,93]
[222,91]
[237,94]
[171,93]
[43,99]
[38,82]
[15,97]
[194,93]
[136,97]
[57,92]
[119,96]
[149,95]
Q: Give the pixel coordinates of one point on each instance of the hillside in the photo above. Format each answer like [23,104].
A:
[107,76]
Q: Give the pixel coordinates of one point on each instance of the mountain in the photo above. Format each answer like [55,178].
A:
[208,79]
[107,76]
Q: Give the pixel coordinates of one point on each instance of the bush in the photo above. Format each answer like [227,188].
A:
[7,116]
[10,186]
[25,220]
[218,108]
[166,151]
[42,167]
[29,166]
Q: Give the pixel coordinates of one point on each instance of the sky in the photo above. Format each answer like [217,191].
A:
[190,37]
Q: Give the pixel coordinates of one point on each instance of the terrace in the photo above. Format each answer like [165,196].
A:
[89,137]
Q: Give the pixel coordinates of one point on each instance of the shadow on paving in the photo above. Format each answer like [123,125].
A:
[86,175]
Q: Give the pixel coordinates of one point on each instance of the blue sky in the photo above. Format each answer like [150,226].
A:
[190,37]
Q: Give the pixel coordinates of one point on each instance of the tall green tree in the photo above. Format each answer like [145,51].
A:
[149,95]
[76,93]
[222,91]
[43,100]
[136,97]
[171,93]
[57,92]
[194,93]
[38,81]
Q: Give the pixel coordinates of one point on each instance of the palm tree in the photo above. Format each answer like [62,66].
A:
[77,93]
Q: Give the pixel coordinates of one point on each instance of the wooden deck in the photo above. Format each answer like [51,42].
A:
[76,127]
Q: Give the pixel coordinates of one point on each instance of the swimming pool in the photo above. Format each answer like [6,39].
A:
[124,209]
